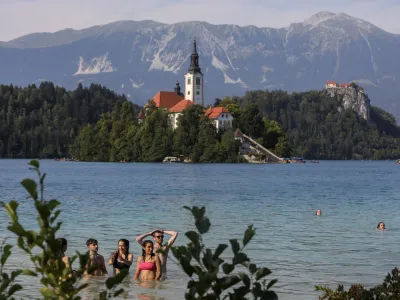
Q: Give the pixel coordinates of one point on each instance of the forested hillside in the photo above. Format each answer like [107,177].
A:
[316,128]
[96,124]
[44,121]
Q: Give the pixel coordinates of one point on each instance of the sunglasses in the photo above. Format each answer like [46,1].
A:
[159,236]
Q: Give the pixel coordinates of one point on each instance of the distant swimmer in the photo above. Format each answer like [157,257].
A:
[318,212]
[381,226]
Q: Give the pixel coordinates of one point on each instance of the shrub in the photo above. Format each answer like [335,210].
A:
[210,276]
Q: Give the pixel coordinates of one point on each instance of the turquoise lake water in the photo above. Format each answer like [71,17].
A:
[109,201]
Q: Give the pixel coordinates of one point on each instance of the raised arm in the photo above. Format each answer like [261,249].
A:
[140,238]
[173,234]
[112,258]
[158,268]
[137,273]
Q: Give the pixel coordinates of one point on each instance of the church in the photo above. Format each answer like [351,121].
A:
[176,102]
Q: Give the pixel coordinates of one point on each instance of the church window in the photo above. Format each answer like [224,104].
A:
[197,93]
[198,80]
[189,81]
[188,92]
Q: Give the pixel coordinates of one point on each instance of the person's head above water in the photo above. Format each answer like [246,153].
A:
[318,212]
[158,236]
[381,226]
[92,245]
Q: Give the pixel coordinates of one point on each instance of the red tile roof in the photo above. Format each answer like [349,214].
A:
[345,84]
[238,133]
[181,106]
[141,115]
[331,82]
[214,112]
[166,99]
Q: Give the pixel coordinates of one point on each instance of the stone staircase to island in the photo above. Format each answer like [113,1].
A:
[251,150]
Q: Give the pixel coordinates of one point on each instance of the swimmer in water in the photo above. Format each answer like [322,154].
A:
[318,212]
[381,226]
[121,259]
[148,264]
[95,259]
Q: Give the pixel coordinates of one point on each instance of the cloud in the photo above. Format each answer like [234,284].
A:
[21,17]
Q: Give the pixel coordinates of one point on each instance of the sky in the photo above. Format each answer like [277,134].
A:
[20,17]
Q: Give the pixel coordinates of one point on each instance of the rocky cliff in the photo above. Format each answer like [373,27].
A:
[352,98]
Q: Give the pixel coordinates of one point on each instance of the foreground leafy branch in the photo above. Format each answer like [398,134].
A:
[213,278]
[8,287]
[388,290]
[57,278]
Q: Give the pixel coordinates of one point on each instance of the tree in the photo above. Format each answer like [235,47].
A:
[251,121]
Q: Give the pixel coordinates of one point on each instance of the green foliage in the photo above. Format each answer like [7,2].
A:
[115,138]
[8,287]
[57,278]
[211,277]
[44,121]
[317,129]
[388,290]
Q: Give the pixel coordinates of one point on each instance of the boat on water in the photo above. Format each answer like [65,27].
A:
[297,160]
[397,161]
[171,159]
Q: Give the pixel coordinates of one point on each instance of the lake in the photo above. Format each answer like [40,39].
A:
[109,201]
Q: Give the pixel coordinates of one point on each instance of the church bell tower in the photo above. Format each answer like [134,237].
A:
[194,83]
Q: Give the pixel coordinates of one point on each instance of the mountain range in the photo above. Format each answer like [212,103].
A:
[140,58]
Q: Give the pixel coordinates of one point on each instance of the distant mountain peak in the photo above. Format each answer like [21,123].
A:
[319,18]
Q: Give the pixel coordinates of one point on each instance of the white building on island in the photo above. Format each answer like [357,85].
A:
[176,102]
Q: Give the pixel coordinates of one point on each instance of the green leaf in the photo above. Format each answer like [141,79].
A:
[15,274]
[248,235]
[6,254]
[246,279]
[198,213]
[186,266]
[15,288]
[203,225]
[227,268]
[220,249]
[229,281]
[271,283]
[34,163]
[28,273]
[11,208]
[17,229]
[193,236]
[257,290]
[235,246]
[253,268]
[240,258]
[262,272]
[31,187]
[241,292]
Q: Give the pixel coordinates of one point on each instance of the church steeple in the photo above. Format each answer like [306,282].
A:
[194,61]
[194,82]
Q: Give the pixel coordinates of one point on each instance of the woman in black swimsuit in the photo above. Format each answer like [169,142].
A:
[121,259]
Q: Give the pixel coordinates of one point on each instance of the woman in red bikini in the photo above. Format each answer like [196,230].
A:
[148,264]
